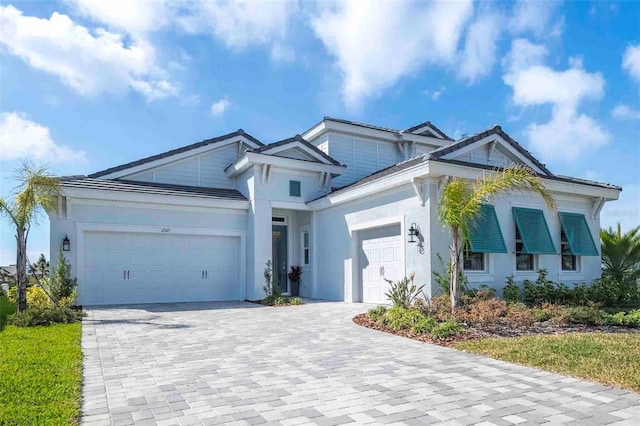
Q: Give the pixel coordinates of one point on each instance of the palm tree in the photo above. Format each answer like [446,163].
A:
[461,200]
[621,253]
[38,190]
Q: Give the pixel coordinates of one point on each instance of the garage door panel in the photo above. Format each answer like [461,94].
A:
[382,256]
[162,268]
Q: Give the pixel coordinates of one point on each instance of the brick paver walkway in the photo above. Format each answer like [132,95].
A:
[237,363]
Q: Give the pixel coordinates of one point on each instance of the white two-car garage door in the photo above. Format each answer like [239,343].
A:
[122,268]
[382,256]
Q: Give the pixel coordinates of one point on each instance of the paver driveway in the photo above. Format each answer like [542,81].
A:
[239,363]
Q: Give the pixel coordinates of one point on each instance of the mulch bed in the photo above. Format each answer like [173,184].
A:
[495,330]
[264,303]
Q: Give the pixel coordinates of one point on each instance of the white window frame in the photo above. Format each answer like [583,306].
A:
[517,271]
[303,231]
[578,259]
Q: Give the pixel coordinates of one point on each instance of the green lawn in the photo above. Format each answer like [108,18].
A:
[40,374]
[610,359]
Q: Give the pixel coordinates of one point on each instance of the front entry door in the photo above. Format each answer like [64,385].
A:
[280,260]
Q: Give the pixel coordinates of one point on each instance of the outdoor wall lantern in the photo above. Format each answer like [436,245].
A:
[66,244]
[413,233]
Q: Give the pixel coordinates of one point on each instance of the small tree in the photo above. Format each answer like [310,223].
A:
[41,267]
[62,286]
[38,190]
[460,202]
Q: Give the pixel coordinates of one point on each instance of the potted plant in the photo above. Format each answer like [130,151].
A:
[294,280]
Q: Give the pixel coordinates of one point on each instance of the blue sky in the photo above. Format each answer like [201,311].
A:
[87,85]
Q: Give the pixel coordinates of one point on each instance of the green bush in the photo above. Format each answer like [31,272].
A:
[400,318]
[404,292]
[280,301]
[542,315]
[425,325]
[587,315]
[376,313]
[295,301]
[511,291]
[34,317]
[626,319]
[62,287]
[446,329]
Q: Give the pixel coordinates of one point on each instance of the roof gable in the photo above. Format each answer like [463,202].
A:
[428,129]
[178,154]
[493,138]
[303,149]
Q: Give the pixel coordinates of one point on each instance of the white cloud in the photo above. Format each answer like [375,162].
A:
[89,63]
[631,61]
[21,138]
[133,17]
[377,43]
[241,23]
[536,18]
[625,112]
[220,107]
[435,94]
[535,84]
[478,55]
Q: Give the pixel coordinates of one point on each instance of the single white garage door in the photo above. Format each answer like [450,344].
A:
[121,268]
[382,255]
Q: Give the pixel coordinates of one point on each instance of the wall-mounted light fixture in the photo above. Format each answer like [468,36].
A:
[413,233]
[66,244]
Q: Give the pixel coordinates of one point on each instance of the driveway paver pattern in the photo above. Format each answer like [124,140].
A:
[245,364]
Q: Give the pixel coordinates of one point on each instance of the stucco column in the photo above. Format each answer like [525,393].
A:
[258,247]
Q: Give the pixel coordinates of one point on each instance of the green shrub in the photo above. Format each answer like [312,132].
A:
[446,329]
[280,301]
[588,315]
[295,301]
[376,313]
[541,291]
[541,315]
[626,319]
[511,291]
[425,325]
[34,317]
[62,286]
[404,292]
[400,318]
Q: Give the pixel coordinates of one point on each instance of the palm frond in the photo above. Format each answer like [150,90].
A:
[39,190]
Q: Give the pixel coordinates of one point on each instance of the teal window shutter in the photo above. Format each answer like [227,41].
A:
[536,238]
[578,234]
[485,235]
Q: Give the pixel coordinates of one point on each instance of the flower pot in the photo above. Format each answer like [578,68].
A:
[295,289]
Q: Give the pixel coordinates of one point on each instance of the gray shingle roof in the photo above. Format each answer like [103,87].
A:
[120,185]
[296,138]
[384,129]
[454,146]
[428,157]
[200,144]
[430,124]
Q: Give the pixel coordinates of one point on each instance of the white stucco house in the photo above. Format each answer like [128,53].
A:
[200,222]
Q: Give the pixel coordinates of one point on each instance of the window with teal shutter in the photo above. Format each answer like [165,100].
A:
[485,235]
[578,234]
[534,231]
